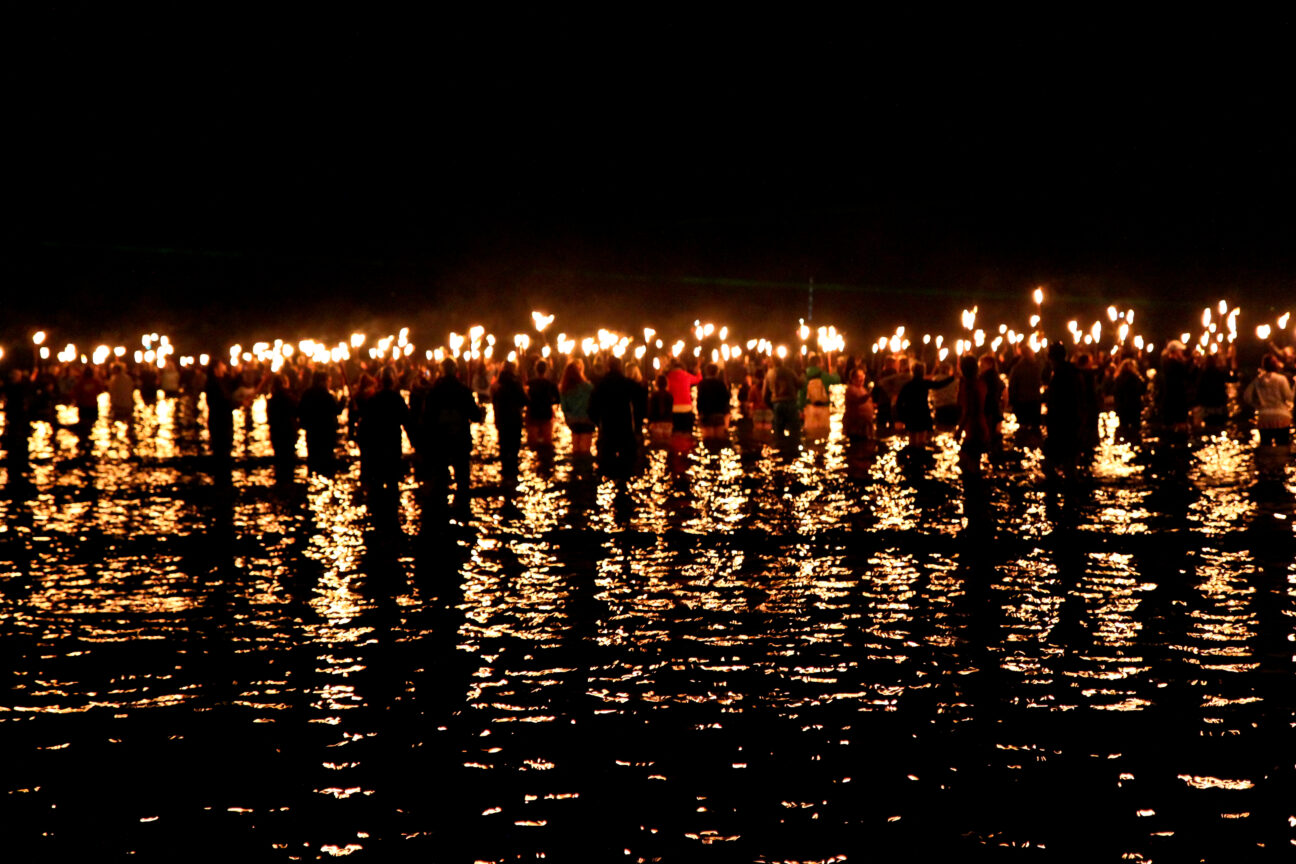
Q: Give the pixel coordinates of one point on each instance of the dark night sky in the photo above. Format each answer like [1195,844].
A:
[230,164]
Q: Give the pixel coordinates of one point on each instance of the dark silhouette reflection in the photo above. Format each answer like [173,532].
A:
[679,448]
[861,456]
[210,646]
[582,492]
[383,506]
[789,655]
[1171,491]
[1272,545]
[980,524]
[437,733]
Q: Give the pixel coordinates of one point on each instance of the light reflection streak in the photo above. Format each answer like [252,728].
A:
[742,584]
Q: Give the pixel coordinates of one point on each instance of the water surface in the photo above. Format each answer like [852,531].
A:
[750,654]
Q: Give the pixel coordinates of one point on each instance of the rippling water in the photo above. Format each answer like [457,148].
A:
[754,655]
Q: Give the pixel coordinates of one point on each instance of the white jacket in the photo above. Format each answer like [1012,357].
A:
[1271,395]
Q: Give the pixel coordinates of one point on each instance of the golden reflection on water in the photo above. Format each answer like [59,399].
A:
[726,583]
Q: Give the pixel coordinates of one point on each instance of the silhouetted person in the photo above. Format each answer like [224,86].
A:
[974,426]
[382,417]
[1024,383]
[660,409]
[713,403]
[860,414]
[574,391]
[1212,392]
[19,395]
[617,406]
[988,370]
[895,374]
[1062,401]
[1128,390]
[1172,388]
[1090,406]
[219,390]
[1270,394]
[448,414]
[781,386]
[148,383]
[912,407]
[281,416]
[121,398]
[318,412]
[509,400]
[85,395]
[169,380]
[542,395]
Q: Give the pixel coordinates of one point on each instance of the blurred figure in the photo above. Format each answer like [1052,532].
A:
[912,407]
[895,374]
[988,369]
[781,386]
[1212,392]
[542,395]
[448,414]
[281,416]
[859,416]
[661,410]
[751,396]
[944,400]
[1025,385]
[509,400]
[713,403]
[1172,388]
[1090,402]
[383,416]
[1270,394]
[85,395]
[1062,401]
[813,395]
[617,405]
[574,393]
[318,413]
[121,398]
[169,380]
[147,379]
[682,381]
[219,392]
[19,393]
[1128,390]
[973,427]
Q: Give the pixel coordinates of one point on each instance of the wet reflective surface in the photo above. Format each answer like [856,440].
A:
[754,654]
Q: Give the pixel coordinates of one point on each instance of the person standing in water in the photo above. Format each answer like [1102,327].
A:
[508,401]
[383,416]
[617,406]
[318,412]
[449,411]
[574,391]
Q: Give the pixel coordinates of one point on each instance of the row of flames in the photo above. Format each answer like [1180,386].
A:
[1219,328]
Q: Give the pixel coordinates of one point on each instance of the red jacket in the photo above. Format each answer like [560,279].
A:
[681,382]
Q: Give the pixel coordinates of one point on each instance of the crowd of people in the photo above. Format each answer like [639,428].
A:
[1057,401]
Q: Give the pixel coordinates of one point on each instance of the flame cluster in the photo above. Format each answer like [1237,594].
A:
[704,340]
